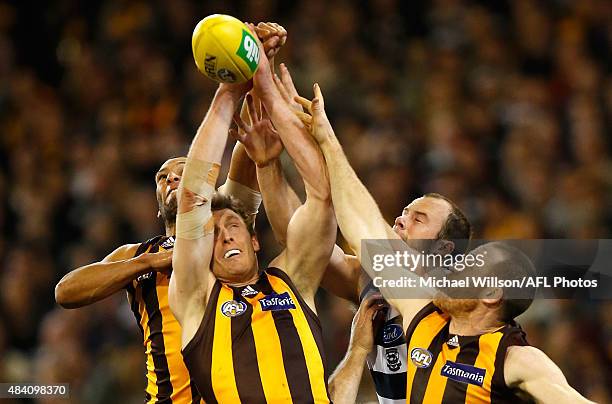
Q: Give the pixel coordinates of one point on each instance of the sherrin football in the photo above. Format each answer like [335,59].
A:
[224,49]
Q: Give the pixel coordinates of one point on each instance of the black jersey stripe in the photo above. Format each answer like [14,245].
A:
[390,385]
[195,394]
[156,335]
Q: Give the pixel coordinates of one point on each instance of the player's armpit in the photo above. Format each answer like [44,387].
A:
[534,373]
[341,277]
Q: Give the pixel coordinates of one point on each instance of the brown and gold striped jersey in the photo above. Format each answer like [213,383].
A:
[168,379]
[259,343]
[447,368]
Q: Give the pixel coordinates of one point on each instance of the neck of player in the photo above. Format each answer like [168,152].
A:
[170,229]
[476,322]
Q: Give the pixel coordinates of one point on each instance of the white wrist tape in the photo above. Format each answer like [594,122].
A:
[196,223]
[199,178]
[251,199]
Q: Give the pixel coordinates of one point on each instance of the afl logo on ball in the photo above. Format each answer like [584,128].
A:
[421,357]
[232,308]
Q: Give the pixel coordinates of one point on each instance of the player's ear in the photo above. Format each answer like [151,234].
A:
[492,296]
[255,243]
[444,247]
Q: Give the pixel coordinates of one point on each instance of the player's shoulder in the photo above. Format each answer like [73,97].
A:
[132,250]
[123,252]
[526,362]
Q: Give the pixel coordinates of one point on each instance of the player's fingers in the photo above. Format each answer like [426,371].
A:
[238,121]
[288,80]
[319,95]
[264,112]
[271,43]
[265,26]
[252,110]
[304,117]
[236,135]
[271,128]
[281,88]
[303,102]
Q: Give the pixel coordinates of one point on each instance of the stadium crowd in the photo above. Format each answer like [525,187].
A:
[505,107]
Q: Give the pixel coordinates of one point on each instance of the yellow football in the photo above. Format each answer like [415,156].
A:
[224,49]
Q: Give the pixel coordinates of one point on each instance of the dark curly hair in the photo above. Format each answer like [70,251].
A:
[220,201]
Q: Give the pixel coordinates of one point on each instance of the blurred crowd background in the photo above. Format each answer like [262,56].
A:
[505,107]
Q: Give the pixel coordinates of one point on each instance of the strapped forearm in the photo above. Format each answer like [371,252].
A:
[250,198]
[280,200]
[194,223]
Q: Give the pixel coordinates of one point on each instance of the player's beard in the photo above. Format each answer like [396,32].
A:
[455,307]
[168,210]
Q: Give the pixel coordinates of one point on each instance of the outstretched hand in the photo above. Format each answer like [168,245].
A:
[317,122]
[259,138]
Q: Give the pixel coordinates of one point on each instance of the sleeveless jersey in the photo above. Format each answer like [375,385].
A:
[259,343]
[446,368]
[168,380]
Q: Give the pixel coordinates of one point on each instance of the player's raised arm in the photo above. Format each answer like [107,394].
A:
[194,224]
[90,283]
[263,145]
[241,181]
[533,372]
[358,215]
[312,230]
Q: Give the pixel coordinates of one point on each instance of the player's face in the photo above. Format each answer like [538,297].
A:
[167,181]
[234,258]
[422,219]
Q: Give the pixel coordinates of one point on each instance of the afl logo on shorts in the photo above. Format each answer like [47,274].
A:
[232,308]
[421,357]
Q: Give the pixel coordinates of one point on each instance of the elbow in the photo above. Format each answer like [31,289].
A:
[331,387]
[64,297]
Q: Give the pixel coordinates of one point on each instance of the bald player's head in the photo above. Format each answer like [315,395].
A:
[167,180]
[503,262]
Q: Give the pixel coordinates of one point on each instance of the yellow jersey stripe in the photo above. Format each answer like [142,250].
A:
[487,346]
[422,337]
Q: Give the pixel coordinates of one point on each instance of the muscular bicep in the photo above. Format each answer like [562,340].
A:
[534,373]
